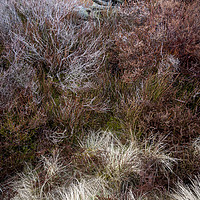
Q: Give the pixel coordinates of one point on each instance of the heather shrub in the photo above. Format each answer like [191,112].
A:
[20,126]
[160,105]
[46,61]
[131,69]
[18,77]
[49,38]
[170,27]
[175,25]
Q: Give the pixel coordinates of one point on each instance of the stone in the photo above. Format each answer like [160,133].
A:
[83,12]
[108,2]
[96,6]
[95,10]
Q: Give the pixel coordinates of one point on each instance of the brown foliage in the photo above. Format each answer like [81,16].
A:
[170,28]
[20,125]
[176,25]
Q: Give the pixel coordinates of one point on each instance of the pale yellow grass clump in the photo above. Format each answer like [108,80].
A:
[119,165]
[52,180]
[189,191]
[122,163]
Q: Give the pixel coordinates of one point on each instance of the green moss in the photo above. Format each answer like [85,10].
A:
[114,124]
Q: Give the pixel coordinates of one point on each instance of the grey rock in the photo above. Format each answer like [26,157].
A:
[95,10]
[96,6]
[103,3]
[108,2]
[83,12]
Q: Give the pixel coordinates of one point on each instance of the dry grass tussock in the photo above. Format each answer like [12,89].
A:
[190,191]
[119,171]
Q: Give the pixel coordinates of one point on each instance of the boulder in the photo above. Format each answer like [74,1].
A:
[108,2]
[83,12]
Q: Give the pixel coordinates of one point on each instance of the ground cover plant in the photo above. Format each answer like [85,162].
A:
[104,107]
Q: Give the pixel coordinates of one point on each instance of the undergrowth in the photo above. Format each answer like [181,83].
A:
[100,108]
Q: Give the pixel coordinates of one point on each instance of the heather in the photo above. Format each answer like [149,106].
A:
[99,107]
